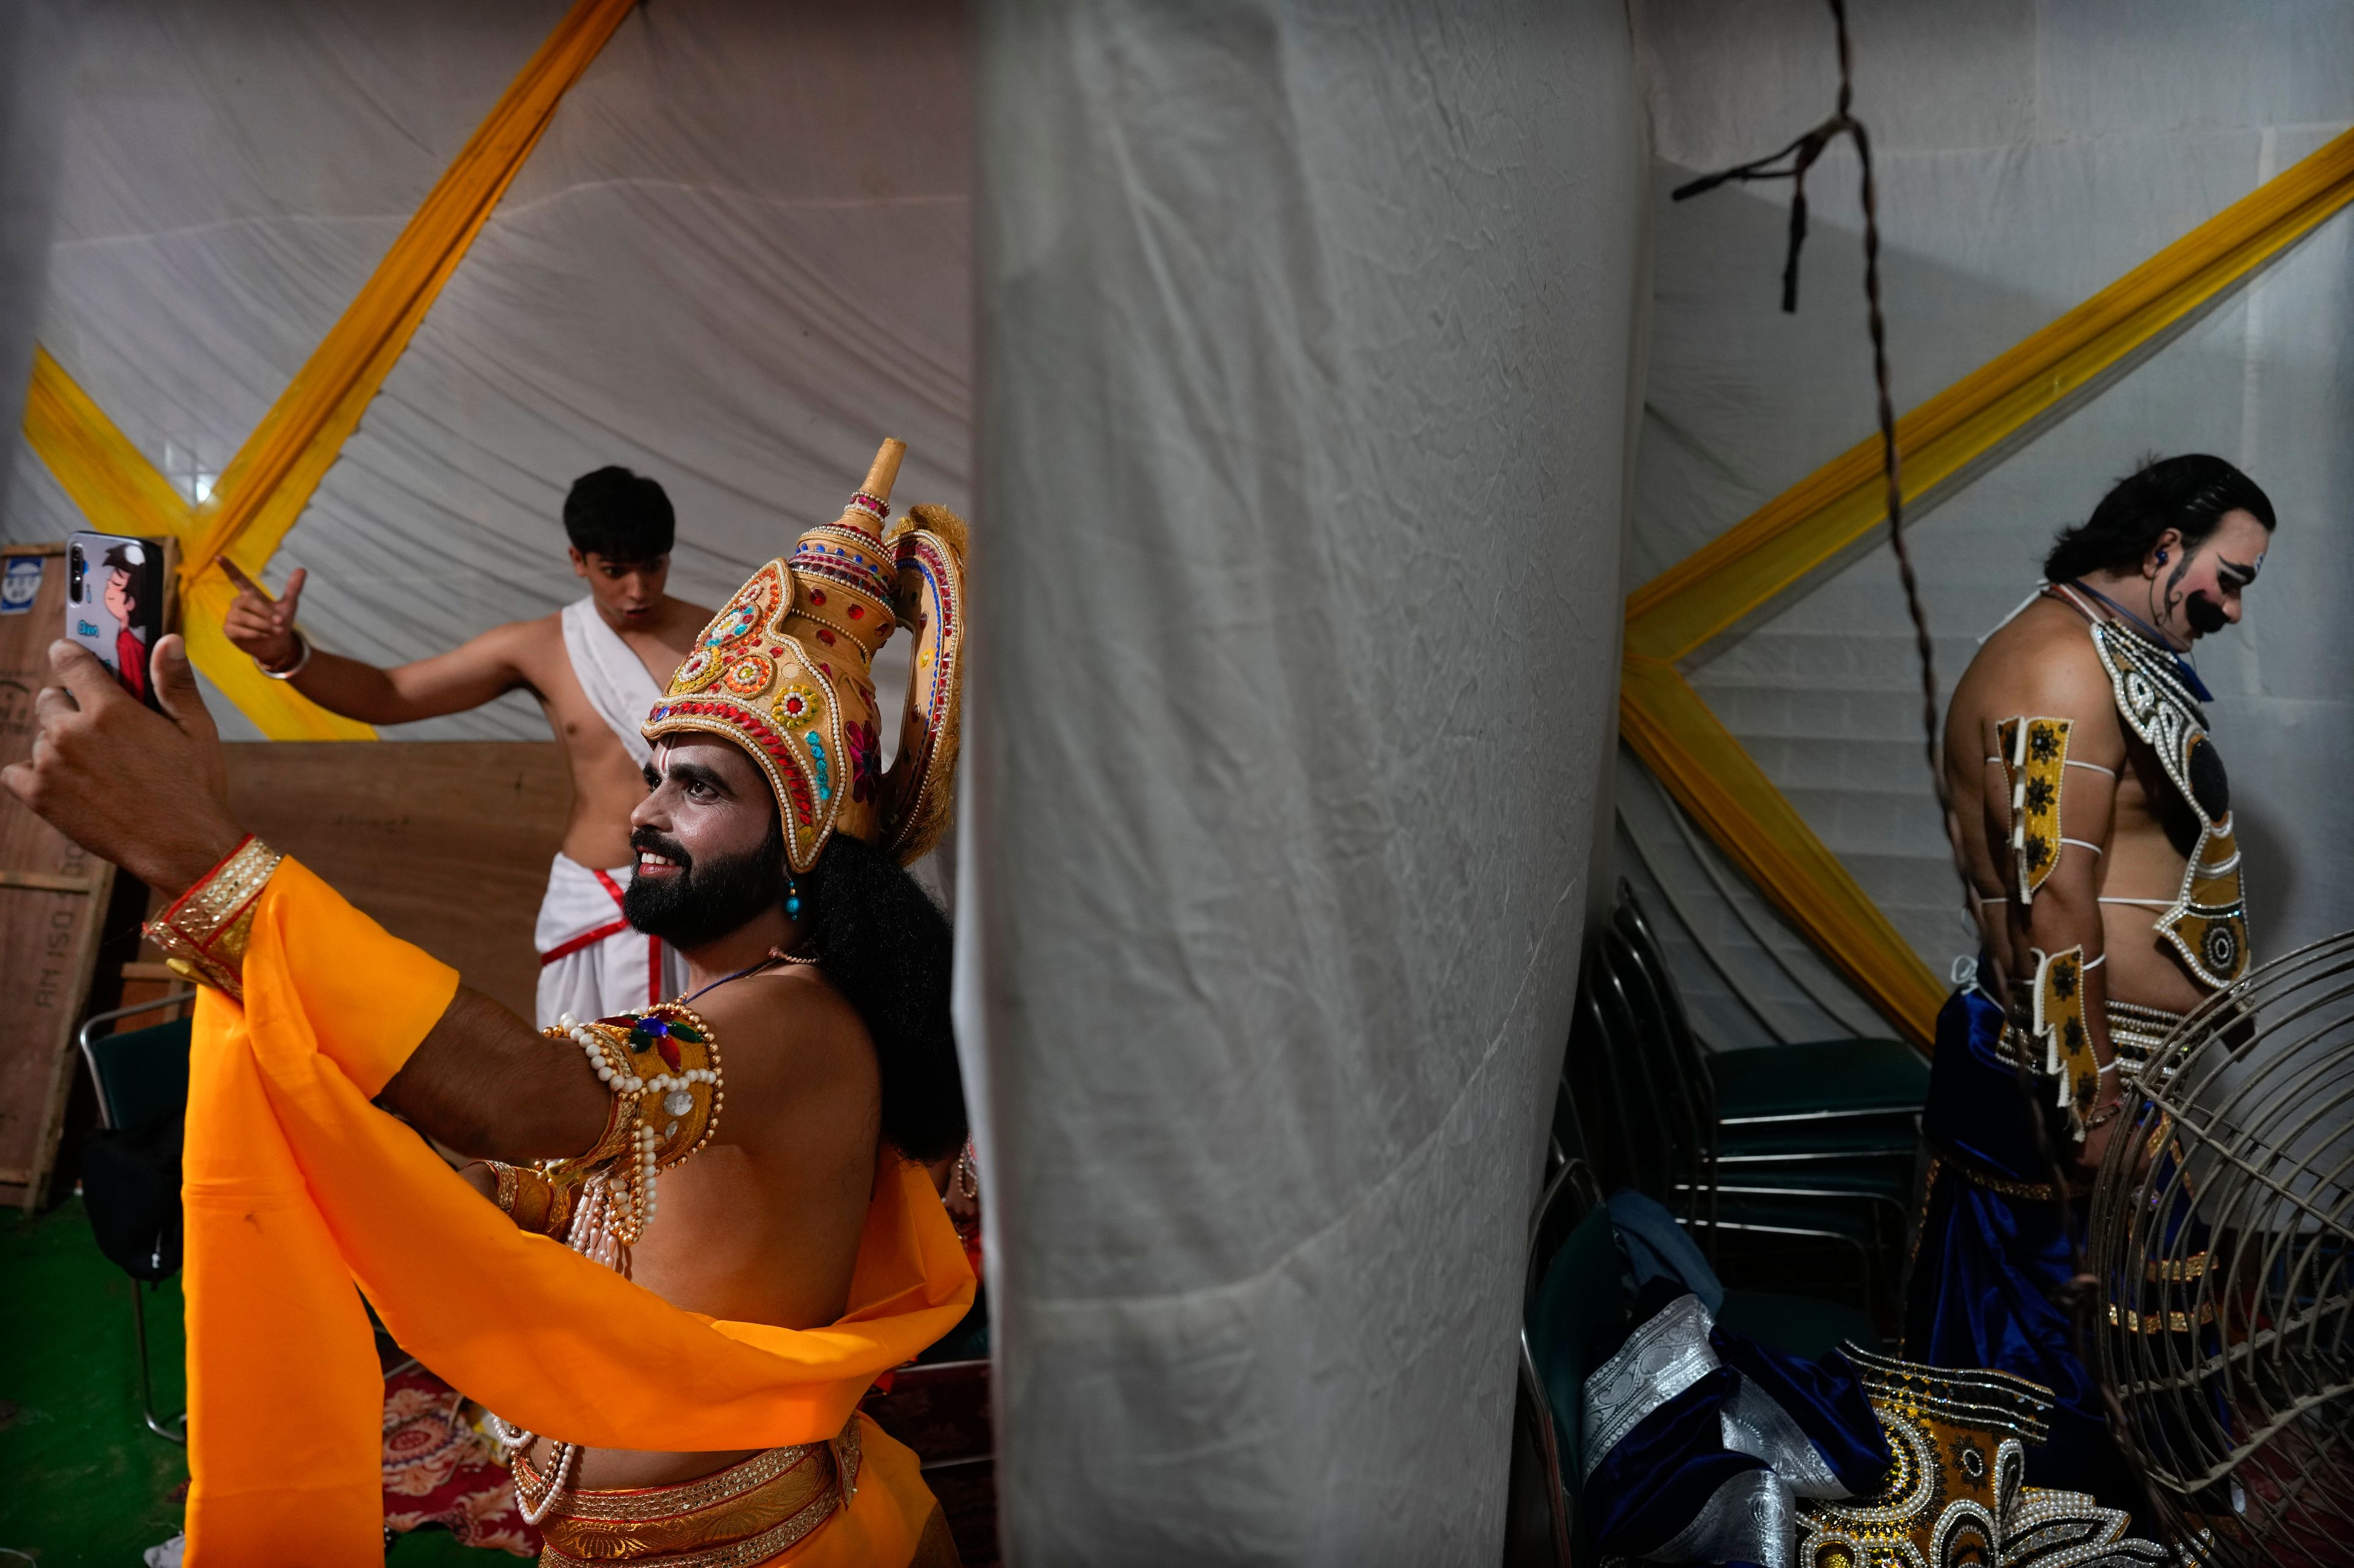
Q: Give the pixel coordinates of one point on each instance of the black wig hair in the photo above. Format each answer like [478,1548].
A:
[885,946]
[133,561]
[2190,493]
[620,515]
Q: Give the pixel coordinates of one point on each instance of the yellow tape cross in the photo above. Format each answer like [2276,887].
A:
[265,487]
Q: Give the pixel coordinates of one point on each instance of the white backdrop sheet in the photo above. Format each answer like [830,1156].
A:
[2028,154]
[740,256]
[1306,352]
[35,39]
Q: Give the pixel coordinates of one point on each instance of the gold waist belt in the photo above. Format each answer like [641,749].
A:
[742,1515]
[2135,1033]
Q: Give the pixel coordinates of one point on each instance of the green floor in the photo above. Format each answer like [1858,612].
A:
[81,1478]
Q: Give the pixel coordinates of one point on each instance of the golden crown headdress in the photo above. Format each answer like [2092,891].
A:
[786,671]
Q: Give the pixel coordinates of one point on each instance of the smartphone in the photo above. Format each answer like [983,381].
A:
[114,603]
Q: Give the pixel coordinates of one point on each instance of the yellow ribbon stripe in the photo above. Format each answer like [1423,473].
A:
[1835,506]
[265,487]
[120,492]
[95,463]
[1689,749]
[1832,509]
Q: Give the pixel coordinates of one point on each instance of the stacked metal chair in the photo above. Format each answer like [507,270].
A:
[1813,1142]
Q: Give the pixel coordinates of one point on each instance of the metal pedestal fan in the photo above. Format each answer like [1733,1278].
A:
[2222,1235]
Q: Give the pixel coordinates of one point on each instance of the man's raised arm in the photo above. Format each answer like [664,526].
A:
[149,792]
[2062,753]
[466,677]
[492,1087]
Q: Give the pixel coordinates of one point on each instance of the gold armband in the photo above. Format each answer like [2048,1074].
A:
[535,1200]
[2035,756]
[662,1066]
[2060,1027]
[203,934]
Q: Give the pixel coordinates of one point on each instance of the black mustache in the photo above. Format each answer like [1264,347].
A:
[2204,614]
[647,840]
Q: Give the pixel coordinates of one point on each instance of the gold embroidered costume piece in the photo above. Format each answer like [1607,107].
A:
[2208,921]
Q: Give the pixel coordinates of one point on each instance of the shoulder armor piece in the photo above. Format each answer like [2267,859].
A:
[2208,922]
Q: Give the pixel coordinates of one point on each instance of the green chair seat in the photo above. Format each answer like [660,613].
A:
[1581,1293]
[1827,1218]
[1799,1325]
[1801,1181]
[1893,1138]
[1820,1079]
[142,1073]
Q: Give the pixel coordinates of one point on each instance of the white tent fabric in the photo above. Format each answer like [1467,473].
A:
[1306,340]
[740,257]
[35,39]
[2028,155]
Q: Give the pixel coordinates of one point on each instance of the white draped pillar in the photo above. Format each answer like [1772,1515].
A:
[1306,336]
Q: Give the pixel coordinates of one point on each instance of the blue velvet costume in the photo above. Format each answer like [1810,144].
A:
[1993,1251]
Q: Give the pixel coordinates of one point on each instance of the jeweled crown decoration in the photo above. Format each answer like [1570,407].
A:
[786,671]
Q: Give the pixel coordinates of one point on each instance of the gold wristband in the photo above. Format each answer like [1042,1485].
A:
[535,1200]
[203,932]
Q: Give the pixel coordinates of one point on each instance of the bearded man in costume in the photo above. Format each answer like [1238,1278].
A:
[678,1347]
[2095,818]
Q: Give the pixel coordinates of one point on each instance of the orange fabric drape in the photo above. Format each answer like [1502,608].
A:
[297,1188]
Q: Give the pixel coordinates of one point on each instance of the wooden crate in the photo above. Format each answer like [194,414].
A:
[53,897]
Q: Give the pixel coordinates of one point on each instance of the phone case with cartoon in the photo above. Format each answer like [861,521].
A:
[117,593]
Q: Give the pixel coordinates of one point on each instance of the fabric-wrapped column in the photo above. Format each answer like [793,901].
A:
[1306,344]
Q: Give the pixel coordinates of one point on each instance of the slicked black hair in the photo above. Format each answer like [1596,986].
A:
[2190,493]
[134,572]
[887,947]
[620,515]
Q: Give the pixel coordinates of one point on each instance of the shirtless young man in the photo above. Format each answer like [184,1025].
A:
[2094,815]
[595,667]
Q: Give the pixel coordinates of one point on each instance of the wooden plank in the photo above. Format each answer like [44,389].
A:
[48,882]
[446,842]
[49,923]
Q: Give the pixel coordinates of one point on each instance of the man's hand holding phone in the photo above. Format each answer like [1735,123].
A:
[145,789]
[261,626]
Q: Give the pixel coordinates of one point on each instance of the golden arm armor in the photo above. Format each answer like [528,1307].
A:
[2059,1025]
[2034,761]
[662,1068]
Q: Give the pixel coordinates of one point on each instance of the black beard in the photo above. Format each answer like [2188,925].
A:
[2206,617]
[702,903]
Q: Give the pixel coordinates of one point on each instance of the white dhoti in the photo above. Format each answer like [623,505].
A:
[591,964]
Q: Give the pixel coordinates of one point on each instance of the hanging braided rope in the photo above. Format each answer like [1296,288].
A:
[1791,163]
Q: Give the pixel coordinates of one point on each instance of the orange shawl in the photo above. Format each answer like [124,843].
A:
[297,1187]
